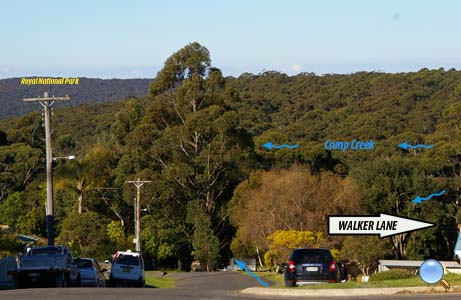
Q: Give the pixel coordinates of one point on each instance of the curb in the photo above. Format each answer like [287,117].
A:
[344,292]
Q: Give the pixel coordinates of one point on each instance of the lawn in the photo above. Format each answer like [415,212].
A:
[153,279]
[453,279]
[271,277]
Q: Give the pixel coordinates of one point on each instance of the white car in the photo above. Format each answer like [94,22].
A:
[127,269]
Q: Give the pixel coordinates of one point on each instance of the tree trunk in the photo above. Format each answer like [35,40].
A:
[179,264]
[399,242]
[80,203]
[259,258]
[119,216]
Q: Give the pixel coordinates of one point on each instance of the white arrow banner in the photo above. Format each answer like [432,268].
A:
[383,225]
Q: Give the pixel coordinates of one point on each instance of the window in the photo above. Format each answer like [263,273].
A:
[128,260]
[83,263]
[311,256]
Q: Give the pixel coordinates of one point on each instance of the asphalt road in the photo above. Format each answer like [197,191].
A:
[189,286]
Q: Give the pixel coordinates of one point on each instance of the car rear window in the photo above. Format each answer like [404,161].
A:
[83,263]
[312,256]
[131,260]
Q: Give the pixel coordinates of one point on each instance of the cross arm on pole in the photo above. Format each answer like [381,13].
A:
[138,183]
[46,99]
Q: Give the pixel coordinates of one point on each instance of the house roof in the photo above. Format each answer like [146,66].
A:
[27,238]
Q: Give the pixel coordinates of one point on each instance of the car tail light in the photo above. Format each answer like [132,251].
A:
[332,266]
[291,266]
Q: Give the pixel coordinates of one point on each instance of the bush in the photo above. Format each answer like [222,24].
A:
[392,275]
[282,242]
[9,244]
[86,235]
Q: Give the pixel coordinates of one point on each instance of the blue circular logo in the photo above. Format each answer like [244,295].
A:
[431,271]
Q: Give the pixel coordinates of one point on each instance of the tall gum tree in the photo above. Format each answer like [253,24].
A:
[197,148]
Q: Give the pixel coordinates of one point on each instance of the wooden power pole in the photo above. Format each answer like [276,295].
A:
[138,183]
[47,102]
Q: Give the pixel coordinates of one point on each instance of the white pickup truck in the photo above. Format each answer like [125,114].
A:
[48,265]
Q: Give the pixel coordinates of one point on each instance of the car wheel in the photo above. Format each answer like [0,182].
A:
[290,283]
[19,282]
[141,283]
[62,281]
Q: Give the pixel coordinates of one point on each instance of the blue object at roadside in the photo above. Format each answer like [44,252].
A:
[244,267]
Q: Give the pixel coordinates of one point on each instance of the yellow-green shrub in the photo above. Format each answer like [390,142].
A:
[282,242]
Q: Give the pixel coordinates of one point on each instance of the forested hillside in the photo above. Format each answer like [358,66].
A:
[89,91]
[216,192]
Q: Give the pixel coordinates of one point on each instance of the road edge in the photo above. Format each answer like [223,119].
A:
[260,291]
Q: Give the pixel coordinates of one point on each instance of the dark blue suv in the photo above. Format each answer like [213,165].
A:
[310,266]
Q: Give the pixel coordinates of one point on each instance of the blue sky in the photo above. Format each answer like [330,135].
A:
[128,39]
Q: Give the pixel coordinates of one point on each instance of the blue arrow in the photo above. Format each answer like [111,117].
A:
[244,267]
[419,198]
[270,146]
[407,146]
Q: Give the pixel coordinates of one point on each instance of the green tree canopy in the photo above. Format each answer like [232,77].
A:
[86,234]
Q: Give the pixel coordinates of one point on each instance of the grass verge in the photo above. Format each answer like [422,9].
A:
[271,277]
[155,281]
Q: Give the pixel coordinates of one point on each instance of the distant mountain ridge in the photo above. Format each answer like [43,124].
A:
[89,90]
